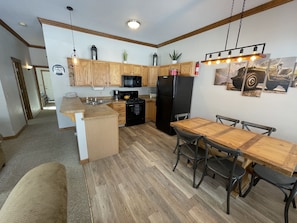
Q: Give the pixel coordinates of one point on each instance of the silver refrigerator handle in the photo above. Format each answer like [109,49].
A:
[174,87]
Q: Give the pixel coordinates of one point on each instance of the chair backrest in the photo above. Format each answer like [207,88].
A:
[266,130]
[182,116]
[230,121]
[187,137]
[219,153]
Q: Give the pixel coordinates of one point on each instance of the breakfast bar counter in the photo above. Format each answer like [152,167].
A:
[96,128]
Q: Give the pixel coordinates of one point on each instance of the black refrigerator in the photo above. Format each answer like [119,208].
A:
[174,96]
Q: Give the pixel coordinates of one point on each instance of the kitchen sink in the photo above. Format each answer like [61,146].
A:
[99,102]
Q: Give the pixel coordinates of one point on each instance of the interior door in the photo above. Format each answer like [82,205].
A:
[22,88]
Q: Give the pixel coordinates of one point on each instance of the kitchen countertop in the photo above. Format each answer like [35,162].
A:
[97,111]
[70,106]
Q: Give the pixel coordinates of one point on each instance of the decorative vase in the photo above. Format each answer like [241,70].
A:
[174,61]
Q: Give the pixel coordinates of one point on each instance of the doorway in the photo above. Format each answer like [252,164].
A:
[45,88]
[17,67]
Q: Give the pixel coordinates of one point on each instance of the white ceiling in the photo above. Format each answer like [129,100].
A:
[161,20]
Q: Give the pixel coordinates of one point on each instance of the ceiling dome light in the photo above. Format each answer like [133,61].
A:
[133,24]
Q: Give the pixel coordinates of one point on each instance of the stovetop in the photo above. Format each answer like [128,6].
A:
[135,100]
[133,97]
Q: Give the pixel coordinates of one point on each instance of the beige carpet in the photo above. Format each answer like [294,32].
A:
[41,142]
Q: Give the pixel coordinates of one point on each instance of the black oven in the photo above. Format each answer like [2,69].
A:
[135,112]
[131,81]
[135,107]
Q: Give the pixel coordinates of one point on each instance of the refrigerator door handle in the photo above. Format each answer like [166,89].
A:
[174,88]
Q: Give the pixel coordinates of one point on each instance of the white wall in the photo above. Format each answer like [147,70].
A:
[277,28]
[59,46]
[12,119]
[38,56]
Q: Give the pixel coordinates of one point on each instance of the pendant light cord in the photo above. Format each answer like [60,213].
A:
[240,22]
[229,25]
[70,10]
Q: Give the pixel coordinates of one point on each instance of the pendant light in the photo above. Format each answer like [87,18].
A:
[241,53]
[74,55]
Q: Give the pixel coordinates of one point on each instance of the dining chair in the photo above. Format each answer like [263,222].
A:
[222,160]
[182,116]
[225,120]
[279,180]
[178,117]
[187,146]
[265,130]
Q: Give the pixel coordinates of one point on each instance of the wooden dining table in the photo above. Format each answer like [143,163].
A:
[277,154]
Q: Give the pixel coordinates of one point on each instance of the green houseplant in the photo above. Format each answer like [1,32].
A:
[175,56]
[125,56]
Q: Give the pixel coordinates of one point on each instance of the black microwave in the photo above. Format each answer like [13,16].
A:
[131,81]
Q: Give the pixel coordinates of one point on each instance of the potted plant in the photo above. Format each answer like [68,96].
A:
[174,56]
[125,56]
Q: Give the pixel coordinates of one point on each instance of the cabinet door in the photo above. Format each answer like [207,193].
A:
[150,111]
[120,107]
[144,74]
[127,69]
[80,73]
[153,76]
[100,72]
[164,70]
[187,69]
[136,70]
[115,74]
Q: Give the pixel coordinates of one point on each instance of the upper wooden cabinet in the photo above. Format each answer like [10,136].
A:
[131,69]
[100,73]
[94,73]
[104,73]
[187,69]
[164,70]
[144,74]
[184,69]
[80,73]
[115,74]
[153,73]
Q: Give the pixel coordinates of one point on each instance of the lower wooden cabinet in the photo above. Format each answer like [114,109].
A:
[150,110]
[120,107]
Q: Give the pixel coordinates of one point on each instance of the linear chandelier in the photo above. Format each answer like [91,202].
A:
[237,54]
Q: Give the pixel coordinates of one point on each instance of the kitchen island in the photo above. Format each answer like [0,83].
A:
[96,128]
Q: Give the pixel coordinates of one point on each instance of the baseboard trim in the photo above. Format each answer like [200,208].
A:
[84,161]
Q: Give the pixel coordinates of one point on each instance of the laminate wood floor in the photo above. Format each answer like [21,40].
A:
[138,185]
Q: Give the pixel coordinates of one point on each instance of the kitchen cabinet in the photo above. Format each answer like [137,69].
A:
[150,110]
[164,70]
[153,72]
[94,73]
[120,107]
[100,73]
[79,74]
[144,74]
[187,69]
[131,69]
[115,74]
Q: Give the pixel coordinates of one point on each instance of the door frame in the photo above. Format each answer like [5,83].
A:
[37,82]
[22,89]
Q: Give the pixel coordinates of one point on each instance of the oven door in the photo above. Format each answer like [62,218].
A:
[135,113]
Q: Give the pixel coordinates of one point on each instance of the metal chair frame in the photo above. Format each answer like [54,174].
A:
[182,116]
[187,146]
[267,129]
[224,164]
[221,119]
